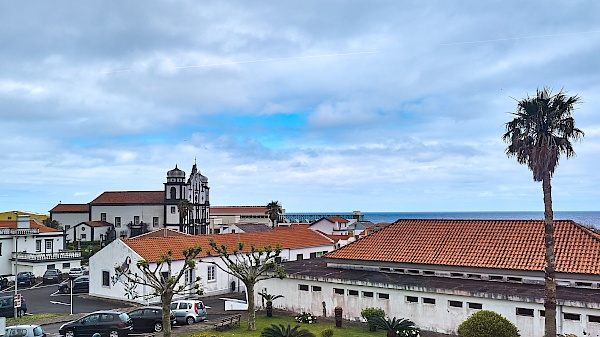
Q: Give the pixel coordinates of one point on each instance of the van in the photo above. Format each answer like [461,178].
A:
[7,307]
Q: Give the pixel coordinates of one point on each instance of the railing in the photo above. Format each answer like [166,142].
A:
[19,231]
[61,255]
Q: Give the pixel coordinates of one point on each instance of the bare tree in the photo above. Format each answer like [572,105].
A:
[164,283]
[250,267]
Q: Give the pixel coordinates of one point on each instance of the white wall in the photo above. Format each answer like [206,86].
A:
[70,219]
[438,317]
[127,214]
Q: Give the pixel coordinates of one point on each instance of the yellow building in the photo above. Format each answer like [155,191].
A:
[10,215]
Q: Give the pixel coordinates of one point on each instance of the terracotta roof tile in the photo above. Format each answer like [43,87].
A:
[506,244]
[32,224]
[70,208]
[151,248]
[162,233]
[130,197]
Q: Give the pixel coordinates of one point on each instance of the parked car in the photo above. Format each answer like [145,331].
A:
[7,308]
[75,272]
[52,276]
[188,311]
[148,319]
[108,323]
[26,330]
[80,285]
[25,278]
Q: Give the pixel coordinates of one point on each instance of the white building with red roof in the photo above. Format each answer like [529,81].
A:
[106,283]
[438,272]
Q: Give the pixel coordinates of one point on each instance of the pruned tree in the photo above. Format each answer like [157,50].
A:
[249,266]
[52,224]
[160,277]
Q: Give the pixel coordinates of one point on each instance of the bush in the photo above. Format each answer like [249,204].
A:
[283,331]
[370,314]
[327,333]
[306,317]
[487,323]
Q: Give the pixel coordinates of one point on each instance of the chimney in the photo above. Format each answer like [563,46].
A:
[23,221]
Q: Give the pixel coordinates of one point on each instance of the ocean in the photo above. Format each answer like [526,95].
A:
[586,218]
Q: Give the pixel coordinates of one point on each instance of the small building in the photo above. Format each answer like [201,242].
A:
[91,231]
[69,215]
[107,283]
[439,272]
[33,247]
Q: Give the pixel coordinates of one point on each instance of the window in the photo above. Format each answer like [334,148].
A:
[472,305]
[155,221]
[172,209]
[338,291]
[382,296]
[51,266]
[413,271]
[319,254]
[427,300]
[38,245]
[593,319]
[542,313]
[474,276]
[173,193]
[48,244]
[102,216]
[136,219]
[572,317]
[66,265]
[313,255]
[367,294]
[352,292]
[455,304]
[211,276]
[105,278]
[412,299]
[428,272]
[583,284]
[316,288]
[496,278]
[456,275]
[303,287]
[117,221]
[299,257]
[83,237]
[524,312]
[514,279]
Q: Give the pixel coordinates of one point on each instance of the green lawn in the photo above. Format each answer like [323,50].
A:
[316,328]
[29,318]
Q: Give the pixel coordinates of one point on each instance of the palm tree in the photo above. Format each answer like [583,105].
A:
[269,298]
[274,210]
[541,131]
[184,207]
[282,331]
[396,327]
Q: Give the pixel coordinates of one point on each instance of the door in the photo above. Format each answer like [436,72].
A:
[137,319]
[87,326]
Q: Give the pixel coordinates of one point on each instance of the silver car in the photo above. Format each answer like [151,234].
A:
[188,311]
[25,330]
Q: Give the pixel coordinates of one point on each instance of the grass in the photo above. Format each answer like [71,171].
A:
[29,318]
[263,322]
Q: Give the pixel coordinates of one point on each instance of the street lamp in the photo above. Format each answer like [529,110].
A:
[16,261]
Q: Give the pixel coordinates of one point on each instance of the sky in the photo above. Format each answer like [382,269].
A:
[394,106]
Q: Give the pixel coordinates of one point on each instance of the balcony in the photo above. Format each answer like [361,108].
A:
[19,231]
[62,255]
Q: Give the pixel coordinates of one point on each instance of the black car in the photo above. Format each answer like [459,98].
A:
[7,308]
[80,285]
[106,323]
[148,319]
[25,278]
[51,276]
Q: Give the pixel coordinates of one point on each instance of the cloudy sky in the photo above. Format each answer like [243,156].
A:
[322,105]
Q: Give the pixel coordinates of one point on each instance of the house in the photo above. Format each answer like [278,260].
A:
[107,283]
[334,225]
[12,215]
[91,231]
[438,272]
[69,215]
[31,246]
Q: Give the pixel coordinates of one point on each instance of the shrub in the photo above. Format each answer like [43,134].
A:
[306,317]
[487,323]
[283,331]
[397,327]
[370,314]
[327,333]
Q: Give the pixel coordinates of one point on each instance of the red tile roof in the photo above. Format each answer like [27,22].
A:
[503,244]
[238,209]
[70,208]
[162,233]
[130,197]
[338,219]
[32,224]
[152,248]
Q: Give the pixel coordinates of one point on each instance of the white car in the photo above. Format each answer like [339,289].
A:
[75,272]
[28,330]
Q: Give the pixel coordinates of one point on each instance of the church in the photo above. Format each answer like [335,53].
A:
[182,205]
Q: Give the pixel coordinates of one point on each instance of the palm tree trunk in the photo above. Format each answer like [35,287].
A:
[549,272]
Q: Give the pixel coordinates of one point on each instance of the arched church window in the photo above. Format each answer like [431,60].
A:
[173,193]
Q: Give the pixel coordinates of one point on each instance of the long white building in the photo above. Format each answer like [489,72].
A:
[438,272]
